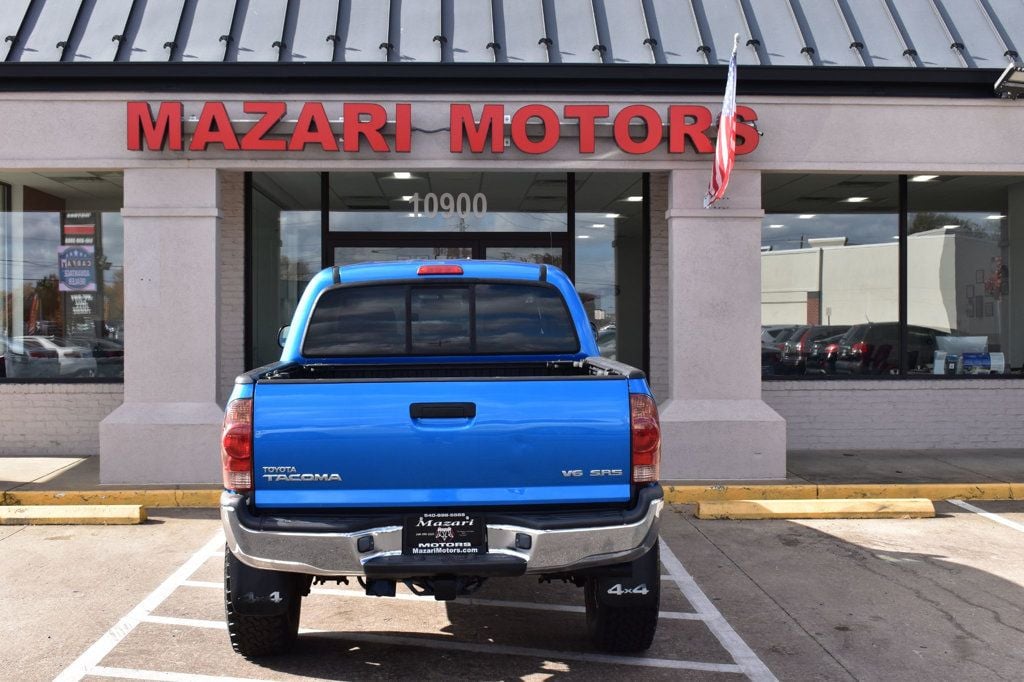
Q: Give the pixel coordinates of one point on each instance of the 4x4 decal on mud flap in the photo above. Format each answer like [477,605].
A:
[618,590]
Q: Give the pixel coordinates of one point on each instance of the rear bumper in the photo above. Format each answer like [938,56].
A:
[558,543]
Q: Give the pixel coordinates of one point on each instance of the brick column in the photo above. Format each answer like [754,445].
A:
[168,427]
[715,425]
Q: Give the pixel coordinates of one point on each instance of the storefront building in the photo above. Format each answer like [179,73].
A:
[173,173]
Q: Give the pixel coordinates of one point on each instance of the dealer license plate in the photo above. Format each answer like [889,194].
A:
[444,533]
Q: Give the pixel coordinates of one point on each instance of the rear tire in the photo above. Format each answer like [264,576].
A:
[255,636]
[628,628]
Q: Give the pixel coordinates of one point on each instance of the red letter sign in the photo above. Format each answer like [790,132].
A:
[313,128]
[403,127]
[548,118]
[621,129]
[164,130]
[587,114]
[272,113]
[355,127]
[747,137]
[214,127]
[491,123]
[679,129]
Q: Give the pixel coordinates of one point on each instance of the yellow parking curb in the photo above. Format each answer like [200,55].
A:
[145,498]
[692,494]
[78,514]
[674,494]
[816,509]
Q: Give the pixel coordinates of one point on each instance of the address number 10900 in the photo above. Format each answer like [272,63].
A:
[462,204]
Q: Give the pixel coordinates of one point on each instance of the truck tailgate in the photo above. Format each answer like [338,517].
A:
[441,443]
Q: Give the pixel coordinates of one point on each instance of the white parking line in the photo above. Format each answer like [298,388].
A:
[468,601]
[988,515]
[161,676]
[748,661]
[187,622]
[430,642]
[84,664]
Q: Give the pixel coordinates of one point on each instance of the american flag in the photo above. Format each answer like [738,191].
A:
[725,145]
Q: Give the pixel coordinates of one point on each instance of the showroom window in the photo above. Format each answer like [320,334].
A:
[888,276]
[284,253]
[591,225]
[611,261]
[958,254]
[61,277]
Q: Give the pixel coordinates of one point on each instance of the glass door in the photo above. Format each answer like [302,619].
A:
[347,252]
[548,255]
[347,255]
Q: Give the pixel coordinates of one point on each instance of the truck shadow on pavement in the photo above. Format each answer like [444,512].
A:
[812,599]
[840,599]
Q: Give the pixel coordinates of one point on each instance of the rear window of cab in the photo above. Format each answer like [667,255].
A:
[482,318]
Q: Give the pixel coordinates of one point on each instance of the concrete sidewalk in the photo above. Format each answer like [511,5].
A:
[931,474]
[76,480]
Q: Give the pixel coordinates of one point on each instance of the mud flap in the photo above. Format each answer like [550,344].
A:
[258,592]
[638,585]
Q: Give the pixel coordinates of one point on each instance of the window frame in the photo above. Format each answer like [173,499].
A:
[903,373]
[329,240]
[6,209]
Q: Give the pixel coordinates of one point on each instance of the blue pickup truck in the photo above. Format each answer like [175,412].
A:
[436,424]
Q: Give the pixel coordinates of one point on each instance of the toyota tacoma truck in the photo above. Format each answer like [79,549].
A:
[437,424]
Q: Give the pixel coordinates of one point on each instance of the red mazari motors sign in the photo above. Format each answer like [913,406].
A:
[363,123]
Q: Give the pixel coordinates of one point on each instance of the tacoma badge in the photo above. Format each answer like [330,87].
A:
[291,474]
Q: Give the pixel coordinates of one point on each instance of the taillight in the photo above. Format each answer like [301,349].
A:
[859,348]
[645,438]
[236,446]
[439,270]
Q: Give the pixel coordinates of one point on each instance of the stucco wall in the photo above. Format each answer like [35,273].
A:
[826,134]
[54,419]
[812,134]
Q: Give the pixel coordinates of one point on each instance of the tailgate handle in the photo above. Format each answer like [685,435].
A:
[442,410]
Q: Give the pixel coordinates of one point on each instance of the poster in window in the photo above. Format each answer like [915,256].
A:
[77,267]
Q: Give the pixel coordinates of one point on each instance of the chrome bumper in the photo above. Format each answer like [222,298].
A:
[336,554]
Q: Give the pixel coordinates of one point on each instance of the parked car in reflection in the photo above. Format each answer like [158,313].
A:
[798,345]
[770,358]
[872,348]
[109,355]
[26,358]
[73,360]
[773,334]
[821,358]
[606,341]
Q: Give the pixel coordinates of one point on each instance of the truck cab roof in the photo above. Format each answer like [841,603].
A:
[453,273]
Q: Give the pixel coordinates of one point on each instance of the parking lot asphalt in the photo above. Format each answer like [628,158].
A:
[882,599]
